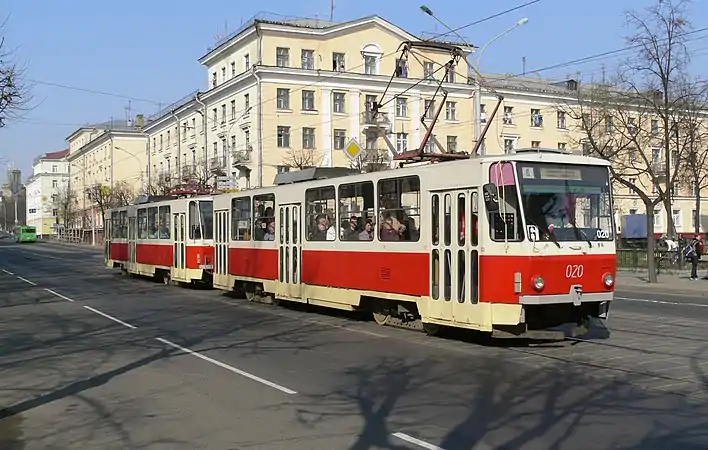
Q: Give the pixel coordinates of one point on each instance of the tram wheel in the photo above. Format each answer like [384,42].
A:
[431,329]
[381,319]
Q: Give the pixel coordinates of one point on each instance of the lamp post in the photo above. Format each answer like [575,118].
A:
[478,91]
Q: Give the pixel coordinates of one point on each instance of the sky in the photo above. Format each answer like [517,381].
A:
[91,61]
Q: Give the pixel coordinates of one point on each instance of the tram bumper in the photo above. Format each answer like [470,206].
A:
[556,317]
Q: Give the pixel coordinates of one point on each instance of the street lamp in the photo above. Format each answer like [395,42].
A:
[478,92]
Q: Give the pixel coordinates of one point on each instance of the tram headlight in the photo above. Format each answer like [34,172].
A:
[539,283]
[608,280]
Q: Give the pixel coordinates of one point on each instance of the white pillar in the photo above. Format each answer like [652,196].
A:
[326,134]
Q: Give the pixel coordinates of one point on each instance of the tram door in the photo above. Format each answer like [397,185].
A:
[451,255]
[132,235]
[290,250]
[179,269]
[221,252]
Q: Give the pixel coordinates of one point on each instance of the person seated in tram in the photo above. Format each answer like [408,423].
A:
[368,233]
[270,232]
[163,230]
[391,229]
[323,230]
[348,231]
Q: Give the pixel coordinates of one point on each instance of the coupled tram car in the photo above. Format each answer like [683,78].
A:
[514,245]
[168,237]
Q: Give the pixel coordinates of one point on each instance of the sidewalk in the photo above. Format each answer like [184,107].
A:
[666,283]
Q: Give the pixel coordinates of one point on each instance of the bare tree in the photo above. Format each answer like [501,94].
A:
[15,93]
[160,186]
[100,196]
[64,202]
[633,121]
[692,135]
[122,194]
[372,160]
[302,158]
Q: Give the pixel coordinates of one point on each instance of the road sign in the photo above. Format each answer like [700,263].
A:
[352,149]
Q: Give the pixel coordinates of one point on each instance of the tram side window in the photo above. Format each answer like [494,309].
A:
[206,214]
[195,231]
[163,225]
[399,209]
[474,226]
[142,224]
[356,211]
[321,214]
[115,225]
[152,222]
[123,218]
[505,224]
[264,217]
[241,219]
[435,219]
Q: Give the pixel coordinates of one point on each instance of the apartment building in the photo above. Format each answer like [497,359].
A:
[49,178]
[289,93]
[535,113]
[106,154]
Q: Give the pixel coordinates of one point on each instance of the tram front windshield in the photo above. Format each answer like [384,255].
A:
[566,202]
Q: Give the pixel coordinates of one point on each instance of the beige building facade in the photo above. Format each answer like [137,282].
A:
[105,154]
[50,176]
[289,94]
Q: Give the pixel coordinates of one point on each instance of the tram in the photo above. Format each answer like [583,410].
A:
[168,237]
[513,245]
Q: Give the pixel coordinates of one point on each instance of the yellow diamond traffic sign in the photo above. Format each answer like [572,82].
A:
[352,149]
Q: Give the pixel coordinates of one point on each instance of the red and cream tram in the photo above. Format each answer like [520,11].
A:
[165,237]
[512,245]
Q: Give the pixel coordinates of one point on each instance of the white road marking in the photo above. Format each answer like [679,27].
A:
[7,272]
[662,302]
[125,324]
[59,295]
[228,367]
[417,442]
[26,280]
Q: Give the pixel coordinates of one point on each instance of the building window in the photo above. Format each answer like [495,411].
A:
[214,119]
[213,80]
[450,111]
[338,62]
[509,145]
[428,70]
[247,61]
[308,100]
[339,102]
[223,73]
[450,74]
[283,136]
[283,97]
[308,138]
[54,169]
[536,118]
[194,127]
[508,115]
[55,212]
[401,68]
[246,103]
[223,116]
[561,120]
[401,142]
[340,137]
[282,169]
[483,113]
[654,127]
[308,59]
[401,107]
[451,144]
[233,109]
[429,109]
[370,64]
[55,183]
[535,144]
[282,57]
[233,69]
[561,145]
[169,141]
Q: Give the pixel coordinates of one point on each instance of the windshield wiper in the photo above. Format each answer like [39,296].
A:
[587,239]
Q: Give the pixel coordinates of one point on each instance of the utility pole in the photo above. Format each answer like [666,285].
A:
[331,10]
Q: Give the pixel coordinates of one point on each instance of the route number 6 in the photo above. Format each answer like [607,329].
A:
[574,271]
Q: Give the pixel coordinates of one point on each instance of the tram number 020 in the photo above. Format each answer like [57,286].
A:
[574,271]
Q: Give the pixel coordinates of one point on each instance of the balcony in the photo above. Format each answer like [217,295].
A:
[242,156]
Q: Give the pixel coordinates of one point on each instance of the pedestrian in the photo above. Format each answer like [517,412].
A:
[692,253]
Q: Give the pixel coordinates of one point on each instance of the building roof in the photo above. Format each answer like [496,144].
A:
[56,155]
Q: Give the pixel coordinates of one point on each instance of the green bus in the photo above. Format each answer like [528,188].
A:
[25,234]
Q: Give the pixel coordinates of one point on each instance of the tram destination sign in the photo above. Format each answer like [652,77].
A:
[560,173]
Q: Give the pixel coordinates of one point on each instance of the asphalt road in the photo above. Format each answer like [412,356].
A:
[89,359]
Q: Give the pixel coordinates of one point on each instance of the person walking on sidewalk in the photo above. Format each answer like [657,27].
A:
[692,253]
